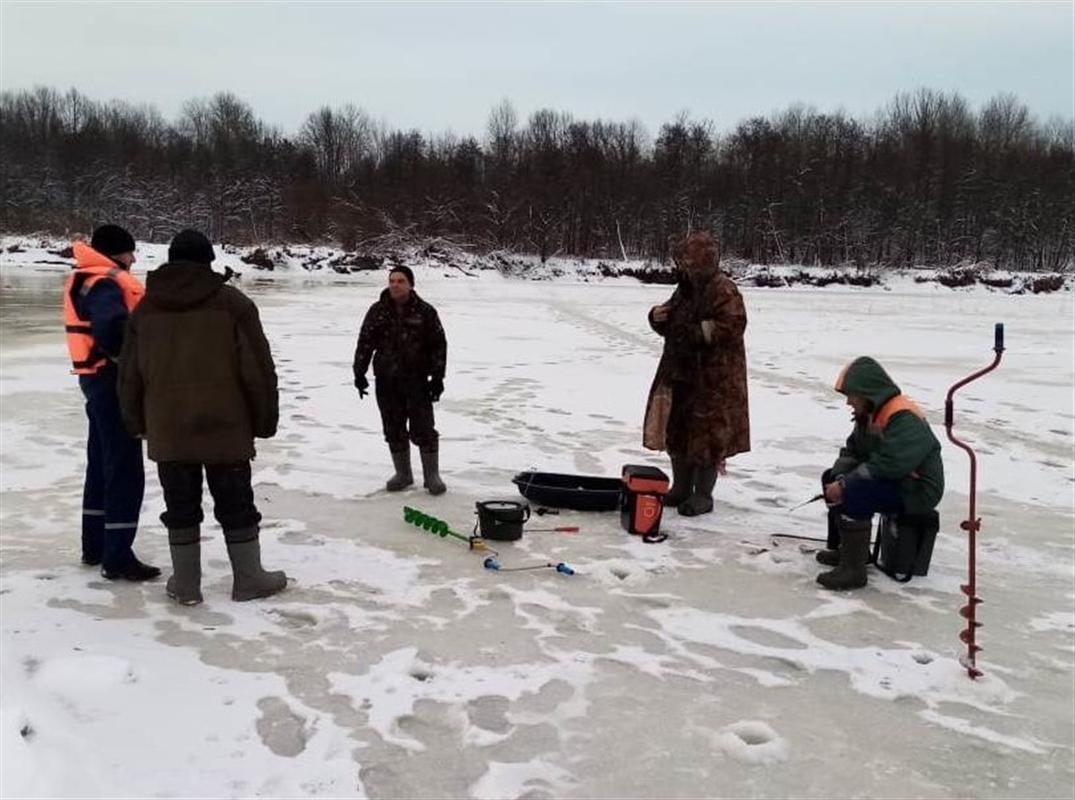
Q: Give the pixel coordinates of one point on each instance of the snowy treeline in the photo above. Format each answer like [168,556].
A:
[926,180]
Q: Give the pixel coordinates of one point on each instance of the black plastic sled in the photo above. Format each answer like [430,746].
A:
[577,492]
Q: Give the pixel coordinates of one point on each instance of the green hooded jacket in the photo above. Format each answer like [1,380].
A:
[894,443]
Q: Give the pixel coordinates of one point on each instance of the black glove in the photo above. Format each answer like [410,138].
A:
[362,385]
[436,388]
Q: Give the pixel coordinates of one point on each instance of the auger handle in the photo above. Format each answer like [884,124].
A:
[972,524]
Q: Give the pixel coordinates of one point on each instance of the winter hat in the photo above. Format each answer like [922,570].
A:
[189,245]
[406,272]
[111,240]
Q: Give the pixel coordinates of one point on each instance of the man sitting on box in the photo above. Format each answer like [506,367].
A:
[891,464]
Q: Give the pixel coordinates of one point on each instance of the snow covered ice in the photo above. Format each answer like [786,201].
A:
[709,665]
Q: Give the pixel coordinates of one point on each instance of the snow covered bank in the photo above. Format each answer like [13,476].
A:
[331,263]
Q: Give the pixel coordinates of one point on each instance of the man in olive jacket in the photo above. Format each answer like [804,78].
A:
[197,381]
[891,464]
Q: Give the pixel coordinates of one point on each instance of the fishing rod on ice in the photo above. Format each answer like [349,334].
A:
[814,499]
[494,565]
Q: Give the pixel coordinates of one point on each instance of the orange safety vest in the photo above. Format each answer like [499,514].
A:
[90,267]
[900,402]
[897,404]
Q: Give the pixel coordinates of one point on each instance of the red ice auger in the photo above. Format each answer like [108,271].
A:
[971,524]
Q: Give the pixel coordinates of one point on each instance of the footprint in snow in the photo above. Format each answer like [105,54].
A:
[294,619]
[281,729]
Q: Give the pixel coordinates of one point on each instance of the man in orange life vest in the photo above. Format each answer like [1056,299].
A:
[98,296]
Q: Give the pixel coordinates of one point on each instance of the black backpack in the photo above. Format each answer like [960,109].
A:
[904,544]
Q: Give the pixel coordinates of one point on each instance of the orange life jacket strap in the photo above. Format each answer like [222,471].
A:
[897,404]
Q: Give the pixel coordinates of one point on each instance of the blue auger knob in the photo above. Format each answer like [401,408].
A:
[564,568]
[491,563]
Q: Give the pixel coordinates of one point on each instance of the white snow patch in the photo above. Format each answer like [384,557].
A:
[981,732]
[389,690]
[1063,621]
[71,677]
[513,780]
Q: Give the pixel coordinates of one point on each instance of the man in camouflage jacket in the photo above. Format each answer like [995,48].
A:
[403,337]
[698,408]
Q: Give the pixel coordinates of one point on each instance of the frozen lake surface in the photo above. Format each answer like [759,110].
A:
[709,665]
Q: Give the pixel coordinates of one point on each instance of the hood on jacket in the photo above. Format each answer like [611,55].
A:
[86,257]
[179,285]
[866,378]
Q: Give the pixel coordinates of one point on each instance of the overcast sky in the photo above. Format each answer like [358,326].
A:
[440,66]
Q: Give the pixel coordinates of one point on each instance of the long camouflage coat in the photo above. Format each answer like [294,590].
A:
[703,365]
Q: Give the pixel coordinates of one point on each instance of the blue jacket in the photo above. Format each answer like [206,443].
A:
[103,306]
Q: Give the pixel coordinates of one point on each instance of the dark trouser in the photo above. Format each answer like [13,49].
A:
[832,539]
[864,497]
[406,413]
[115,477]
[678,430]
[229,484]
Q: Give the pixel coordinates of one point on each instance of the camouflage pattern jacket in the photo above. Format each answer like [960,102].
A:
[703,353]
[404,343]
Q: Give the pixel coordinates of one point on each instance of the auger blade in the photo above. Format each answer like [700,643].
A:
[971,597]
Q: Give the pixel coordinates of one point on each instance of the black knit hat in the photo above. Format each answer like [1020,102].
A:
[111,240]
[406,272]
[190,245]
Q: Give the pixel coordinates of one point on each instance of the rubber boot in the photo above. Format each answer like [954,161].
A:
[250,580]
[134,570]
[682,481]
[431,472]
[854,550]
[401,460]
[830,556]
[701,499]
[185,584]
